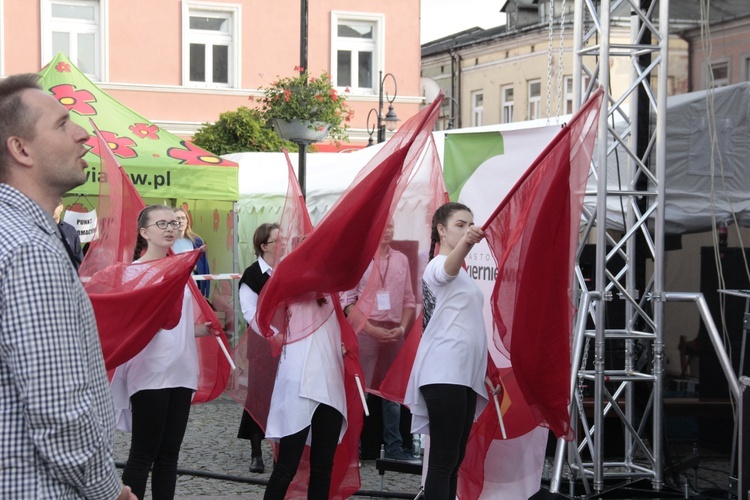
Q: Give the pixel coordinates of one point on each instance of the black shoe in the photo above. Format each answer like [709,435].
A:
[256,465]
[403,456]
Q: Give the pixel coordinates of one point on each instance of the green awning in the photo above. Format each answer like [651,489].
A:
[160,164]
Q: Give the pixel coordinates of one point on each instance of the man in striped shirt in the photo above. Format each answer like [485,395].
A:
[57,418]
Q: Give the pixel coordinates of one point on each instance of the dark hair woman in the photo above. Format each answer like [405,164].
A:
[451,361]
[251,284]
[152,392]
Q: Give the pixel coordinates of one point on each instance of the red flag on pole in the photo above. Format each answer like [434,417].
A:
[533,235]
[151,302]
[344,242]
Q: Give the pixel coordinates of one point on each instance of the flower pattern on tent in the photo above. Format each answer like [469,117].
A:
[63,67]
[145,130]
[120,146]
[74,100]
[193,155]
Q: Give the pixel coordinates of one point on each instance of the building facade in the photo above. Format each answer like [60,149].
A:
[720,55]
[524,70]
[181,63]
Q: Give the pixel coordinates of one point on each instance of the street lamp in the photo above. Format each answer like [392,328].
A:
[451,116]
[390,120]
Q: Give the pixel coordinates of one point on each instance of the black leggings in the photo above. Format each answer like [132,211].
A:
[450,409]
[159,420]
[326,427]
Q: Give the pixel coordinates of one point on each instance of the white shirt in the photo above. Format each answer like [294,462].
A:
[311,372]
[453,348]
[169,360]
[182,245]
[249,299]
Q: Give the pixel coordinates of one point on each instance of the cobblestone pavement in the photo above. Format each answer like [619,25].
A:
[211,445]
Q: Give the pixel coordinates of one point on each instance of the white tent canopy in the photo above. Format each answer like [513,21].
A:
[263,181]
[694,187]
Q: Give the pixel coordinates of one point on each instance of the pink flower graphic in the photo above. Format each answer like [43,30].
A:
[193,155]
[145,131]
[120,146]
[74,100]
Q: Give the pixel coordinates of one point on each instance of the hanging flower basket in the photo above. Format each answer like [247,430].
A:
[301,131]
[309,100]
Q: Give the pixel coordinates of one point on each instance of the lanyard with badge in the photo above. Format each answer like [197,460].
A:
[384,297]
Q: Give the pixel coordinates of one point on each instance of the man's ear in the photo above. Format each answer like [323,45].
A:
[16,147]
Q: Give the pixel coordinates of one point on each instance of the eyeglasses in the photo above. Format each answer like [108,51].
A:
[163,224]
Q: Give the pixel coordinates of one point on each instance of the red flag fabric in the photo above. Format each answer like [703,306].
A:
[355,224]
[341,247]
[260,356]
[256,357]
[517,419]
[387,365]
[533,234]
[119,205]
[159,303]
[345,478]
[117,215]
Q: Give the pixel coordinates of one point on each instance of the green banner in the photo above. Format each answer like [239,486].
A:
[160,164]
[464,153]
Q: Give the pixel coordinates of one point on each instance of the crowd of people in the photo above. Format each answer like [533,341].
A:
[60,411]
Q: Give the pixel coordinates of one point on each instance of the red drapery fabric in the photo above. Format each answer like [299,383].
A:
[533,235]
[424,193]
[355,224]
[259,356]
[133,305]
[331,260]
[155,290]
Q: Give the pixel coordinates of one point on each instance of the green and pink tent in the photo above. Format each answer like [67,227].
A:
[160,164]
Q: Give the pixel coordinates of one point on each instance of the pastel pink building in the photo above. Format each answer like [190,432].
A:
[728,57]
[181,63]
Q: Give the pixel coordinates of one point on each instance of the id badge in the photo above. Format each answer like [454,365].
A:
[384,301]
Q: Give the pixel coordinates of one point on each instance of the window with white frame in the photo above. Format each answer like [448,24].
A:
[535,98]
[75,28]
[720,74]
[356,50]
[477,108]
[506,93]
[210,44]
[746,69]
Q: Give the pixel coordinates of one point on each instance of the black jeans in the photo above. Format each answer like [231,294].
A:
[326,427]
[450,409]
[160,417]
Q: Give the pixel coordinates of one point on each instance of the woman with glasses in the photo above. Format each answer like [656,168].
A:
[186,240]
[152,392]
[251,283]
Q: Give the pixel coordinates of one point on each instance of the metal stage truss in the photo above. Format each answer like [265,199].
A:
[619,348]
[626,376]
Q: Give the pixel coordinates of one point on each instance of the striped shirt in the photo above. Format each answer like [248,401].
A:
[56,412]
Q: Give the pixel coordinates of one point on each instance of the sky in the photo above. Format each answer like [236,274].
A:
[445,17]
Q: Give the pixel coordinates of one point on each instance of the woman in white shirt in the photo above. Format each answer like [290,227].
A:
[308,405]
[251,284]
[152,392]
[451,361]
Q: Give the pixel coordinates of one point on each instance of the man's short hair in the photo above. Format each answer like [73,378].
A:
[15,117]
